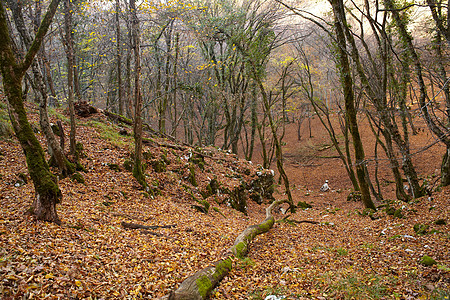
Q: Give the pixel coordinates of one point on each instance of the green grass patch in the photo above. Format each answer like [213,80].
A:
[59,115]
[341,251]
[357,286]
[111,134]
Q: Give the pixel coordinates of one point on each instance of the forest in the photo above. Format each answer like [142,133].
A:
[229,149]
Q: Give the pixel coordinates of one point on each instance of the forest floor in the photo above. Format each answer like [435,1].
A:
[345,256]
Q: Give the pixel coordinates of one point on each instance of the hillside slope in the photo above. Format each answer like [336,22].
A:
[91,255]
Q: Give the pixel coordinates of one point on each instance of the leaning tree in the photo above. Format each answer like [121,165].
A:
[13,69]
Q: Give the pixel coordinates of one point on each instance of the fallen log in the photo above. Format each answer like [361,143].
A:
[139,226]
[118,118]
[199,285]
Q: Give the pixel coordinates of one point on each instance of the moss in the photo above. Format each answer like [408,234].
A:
[109,133]
[128,165]
[390,211]
[427,261]
[368,212]
[303,205]
[199,160]
[354,196]
[80,167]
[5,130]
[204,286]
[241,249]
[421,229]
[79,149]
[147,155]
[159,166]
[398,214]
[216,209]
[222,267]
[440,222]
[78,178]
[191,177]
[114,167]
[264,227]
[138,173]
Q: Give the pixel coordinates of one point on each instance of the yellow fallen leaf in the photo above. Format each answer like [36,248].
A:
[78,283]
[49,276]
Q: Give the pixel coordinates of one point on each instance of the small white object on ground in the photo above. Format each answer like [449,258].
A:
[325,187]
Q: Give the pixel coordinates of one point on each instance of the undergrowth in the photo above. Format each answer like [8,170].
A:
[110,133]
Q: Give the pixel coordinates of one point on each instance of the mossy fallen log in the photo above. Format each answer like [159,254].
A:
[199,285]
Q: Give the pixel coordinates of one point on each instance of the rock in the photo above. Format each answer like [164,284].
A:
[427,261]
[262,187]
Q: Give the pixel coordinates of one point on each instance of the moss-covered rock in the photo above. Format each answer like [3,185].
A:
[191,177]
[368,212]
[398,214]
[199,160]
[421,229]
[427,261]
[262,187]
[238,197]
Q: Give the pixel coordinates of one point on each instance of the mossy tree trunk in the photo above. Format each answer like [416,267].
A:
[138,171]
[47,191]
[350,109]
[55,149]
[439,129]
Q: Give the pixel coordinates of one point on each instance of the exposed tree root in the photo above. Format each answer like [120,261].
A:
[199,285]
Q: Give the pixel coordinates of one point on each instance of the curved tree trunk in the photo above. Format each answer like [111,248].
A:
[200,285]
[54,148]
[47,191]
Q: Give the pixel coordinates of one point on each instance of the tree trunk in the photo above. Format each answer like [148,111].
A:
[47,191]
[347,84]
[138,171]
[70,66]
[119,60]
[55,150]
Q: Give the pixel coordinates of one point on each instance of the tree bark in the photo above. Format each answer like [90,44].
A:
[347,84]
[47,191]
[138,171]
[70,67]
[119,60]
[55,150]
